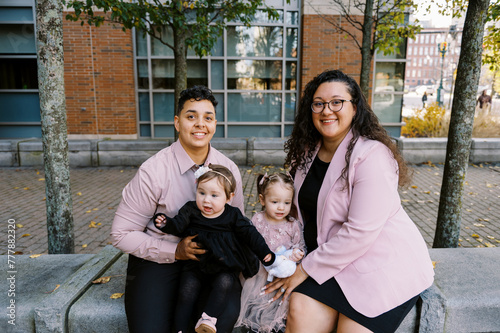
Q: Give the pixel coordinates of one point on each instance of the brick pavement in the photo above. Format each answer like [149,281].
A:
[96,193]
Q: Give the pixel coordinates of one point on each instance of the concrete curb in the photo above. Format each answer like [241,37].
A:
[51,315]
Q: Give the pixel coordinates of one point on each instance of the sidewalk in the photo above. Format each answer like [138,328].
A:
[97,193]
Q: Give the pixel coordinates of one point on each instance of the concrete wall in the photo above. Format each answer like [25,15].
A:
[243,151]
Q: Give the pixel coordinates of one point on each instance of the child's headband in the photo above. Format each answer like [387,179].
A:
[203,170]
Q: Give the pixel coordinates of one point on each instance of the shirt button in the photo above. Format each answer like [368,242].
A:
[168,260]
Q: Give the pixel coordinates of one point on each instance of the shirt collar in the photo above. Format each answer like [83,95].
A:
[184,161]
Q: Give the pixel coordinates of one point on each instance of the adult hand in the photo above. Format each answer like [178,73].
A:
[287,285]
[187,249]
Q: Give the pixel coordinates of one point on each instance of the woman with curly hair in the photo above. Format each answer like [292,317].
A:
[367,262]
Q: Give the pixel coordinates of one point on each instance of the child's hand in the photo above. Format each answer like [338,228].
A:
[268,257]
[160,221]
[297,255]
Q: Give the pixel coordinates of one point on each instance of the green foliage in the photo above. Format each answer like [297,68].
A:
[491,42]
[392,26]
[202,22]
[428,122]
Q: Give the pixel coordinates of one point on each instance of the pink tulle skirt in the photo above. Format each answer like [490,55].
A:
[256,313]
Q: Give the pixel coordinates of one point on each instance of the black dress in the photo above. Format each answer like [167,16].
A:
[330,293]
[233,244]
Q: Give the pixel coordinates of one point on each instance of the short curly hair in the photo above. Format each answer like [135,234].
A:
[197,93]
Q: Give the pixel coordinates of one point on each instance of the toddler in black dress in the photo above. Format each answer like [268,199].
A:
[233,246]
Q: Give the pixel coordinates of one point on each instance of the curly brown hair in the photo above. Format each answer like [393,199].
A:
[365,123]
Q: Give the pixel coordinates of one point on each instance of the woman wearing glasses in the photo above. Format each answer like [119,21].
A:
[367,262]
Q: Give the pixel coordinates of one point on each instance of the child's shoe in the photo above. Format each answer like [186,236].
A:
[206,324]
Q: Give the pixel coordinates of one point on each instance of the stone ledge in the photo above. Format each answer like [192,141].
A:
[243,151]
[465,296]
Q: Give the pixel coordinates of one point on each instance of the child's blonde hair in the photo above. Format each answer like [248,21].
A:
[264,181]
[223,175]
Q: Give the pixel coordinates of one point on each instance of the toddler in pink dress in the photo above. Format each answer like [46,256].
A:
[258,313]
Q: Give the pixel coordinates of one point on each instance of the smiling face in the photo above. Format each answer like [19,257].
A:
[196,126]
[277,201]
[211,198]
[333,126]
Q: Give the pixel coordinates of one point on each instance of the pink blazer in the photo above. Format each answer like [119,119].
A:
[365,238]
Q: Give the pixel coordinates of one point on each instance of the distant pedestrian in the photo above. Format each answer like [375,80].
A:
[484,101]
[424,100]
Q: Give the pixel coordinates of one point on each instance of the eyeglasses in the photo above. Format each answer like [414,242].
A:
[335,105]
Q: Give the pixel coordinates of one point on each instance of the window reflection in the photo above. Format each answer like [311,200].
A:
[164,73]
[254,107]
[20,73]
[255,41]
[254,74]
[291,75]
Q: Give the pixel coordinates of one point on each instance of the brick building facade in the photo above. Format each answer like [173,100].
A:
[105,71]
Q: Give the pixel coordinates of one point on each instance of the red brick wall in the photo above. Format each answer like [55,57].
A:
[324,49]
[99,77]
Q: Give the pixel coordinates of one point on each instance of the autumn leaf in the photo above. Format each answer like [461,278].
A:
[25,235]
[414,186]
[35,255]
[479,224]
[490,237]
[104,279]
[475,235]
[427,192]
[93,224]
[57,287]
[26,188]
[79,193]
[116,295]
[19,225]
[41,179]
[489,244]
[84,245]
[434,264]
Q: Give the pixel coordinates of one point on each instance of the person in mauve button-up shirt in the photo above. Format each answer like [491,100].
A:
[163,184]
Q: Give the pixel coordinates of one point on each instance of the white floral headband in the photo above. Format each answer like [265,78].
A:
[204,169]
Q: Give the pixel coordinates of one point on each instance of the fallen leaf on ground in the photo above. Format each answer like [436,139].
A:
[35,255]
[57,287]
[414,186]
[19,225]
[84,245]
[434,264]
[489,244]
[479,224]
[116,295]
[475,235]
[25,235]
[104,279]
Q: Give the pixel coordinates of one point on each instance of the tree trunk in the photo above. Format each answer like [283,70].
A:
[54,129]
[180,54]
[366,55]
[460,132]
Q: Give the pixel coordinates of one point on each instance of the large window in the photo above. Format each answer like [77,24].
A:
[20,106]
[388,89]
[253,72]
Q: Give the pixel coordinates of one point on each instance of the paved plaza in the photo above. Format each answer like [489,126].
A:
[96,193]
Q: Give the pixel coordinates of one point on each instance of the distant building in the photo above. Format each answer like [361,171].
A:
[424,59]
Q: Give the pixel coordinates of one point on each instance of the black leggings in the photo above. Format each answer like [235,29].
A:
[216,290]
[151,297]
